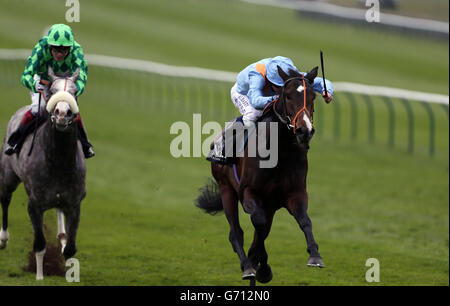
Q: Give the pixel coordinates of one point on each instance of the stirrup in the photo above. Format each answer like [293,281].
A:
[217,160]
[89,153]
[226,161]
[10,150]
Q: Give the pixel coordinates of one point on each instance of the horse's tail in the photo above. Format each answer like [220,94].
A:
[210,199]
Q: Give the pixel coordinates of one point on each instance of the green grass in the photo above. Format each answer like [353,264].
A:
[138,222]
[139,225]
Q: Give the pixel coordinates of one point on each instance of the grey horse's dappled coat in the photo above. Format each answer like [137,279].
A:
[53,176]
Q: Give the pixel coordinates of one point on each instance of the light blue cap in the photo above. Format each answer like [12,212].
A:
[272,70]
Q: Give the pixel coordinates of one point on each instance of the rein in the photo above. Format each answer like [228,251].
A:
[41,95]
[291,124]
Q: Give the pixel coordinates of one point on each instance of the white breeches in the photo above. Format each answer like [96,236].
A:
[35,98]
[35,102]
[242,102]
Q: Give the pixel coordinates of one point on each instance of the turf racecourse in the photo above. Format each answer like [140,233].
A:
[138,222]
[139,225]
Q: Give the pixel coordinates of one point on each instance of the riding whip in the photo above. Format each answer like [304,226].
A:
[37,122]
[323,74]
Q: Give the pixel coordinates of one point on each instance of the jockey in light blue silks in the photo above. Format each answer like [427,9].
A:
[258,85]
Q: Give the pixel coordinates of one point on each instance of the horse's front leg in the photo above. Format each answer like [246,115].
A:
[72,215]
[297,206]
[262,222]
[61,236]
[37,215]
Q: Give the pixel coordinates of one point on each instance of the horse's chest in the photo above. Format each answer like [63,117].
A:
[279,185]
[58,190]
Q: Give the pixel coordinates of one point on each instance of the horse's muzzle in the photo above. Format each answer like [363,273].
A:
[303,136]
[62,123]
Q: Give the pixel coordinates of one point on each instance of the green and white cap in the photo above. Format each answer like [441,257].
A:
[60,35]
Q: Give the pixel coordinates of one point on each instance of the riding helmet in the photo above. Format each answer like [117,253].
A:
[60,35]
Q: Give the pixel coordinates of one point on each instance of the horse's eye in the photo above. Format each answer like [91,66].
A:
[69,113]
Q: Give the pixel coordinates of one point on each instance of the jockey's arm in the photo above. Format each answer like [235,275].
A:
[79,62]
[255,92]
[32,65]
[320,88]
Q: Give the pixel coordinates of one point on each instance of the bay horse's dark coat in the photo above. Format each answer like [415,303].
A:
[262,191]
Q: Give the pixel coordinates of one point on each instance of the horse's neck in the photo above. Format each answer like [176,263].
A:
[288,150]
[61,148]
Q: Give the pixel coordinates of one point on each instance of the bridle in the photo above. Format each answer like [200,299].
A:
[291,123]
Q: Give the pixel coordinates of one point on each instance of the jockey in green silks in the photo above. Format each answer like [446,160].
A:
[62,53]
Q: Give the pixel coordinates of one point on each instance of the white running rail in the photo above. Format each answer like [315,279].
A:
[226,76]
[358,14]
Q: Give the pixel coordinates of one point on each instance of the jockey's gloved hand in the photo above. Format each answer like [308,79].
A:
[40,86]
[327,97]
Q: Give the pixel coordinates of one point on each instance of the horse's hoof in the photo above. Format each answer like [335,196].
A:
[264,275]
[4,237]
[3,244]
[249,273]
[315,262]
[69,251]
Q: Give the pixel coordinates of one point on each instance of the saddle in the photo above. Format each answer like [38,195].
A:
[220,152]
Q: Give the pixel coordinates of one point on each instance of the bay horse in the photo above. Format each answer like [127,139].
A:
[262,191]
[53,175]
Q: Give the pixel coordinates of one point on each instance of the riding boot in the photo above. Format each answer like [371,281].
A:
[217,151]
[220,152]
[82,136]
[16,139]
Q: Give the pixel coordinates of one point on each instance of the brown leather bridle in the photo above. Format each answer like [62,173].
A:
[291,123]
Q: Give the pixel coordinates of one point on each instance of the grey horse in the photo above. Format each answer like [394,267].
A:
[53,175]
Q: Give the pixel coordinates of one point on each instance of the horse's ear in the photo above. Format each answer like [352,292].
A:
[294,73]
[51,74]
[282,74]
[75,75]
[310,76]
